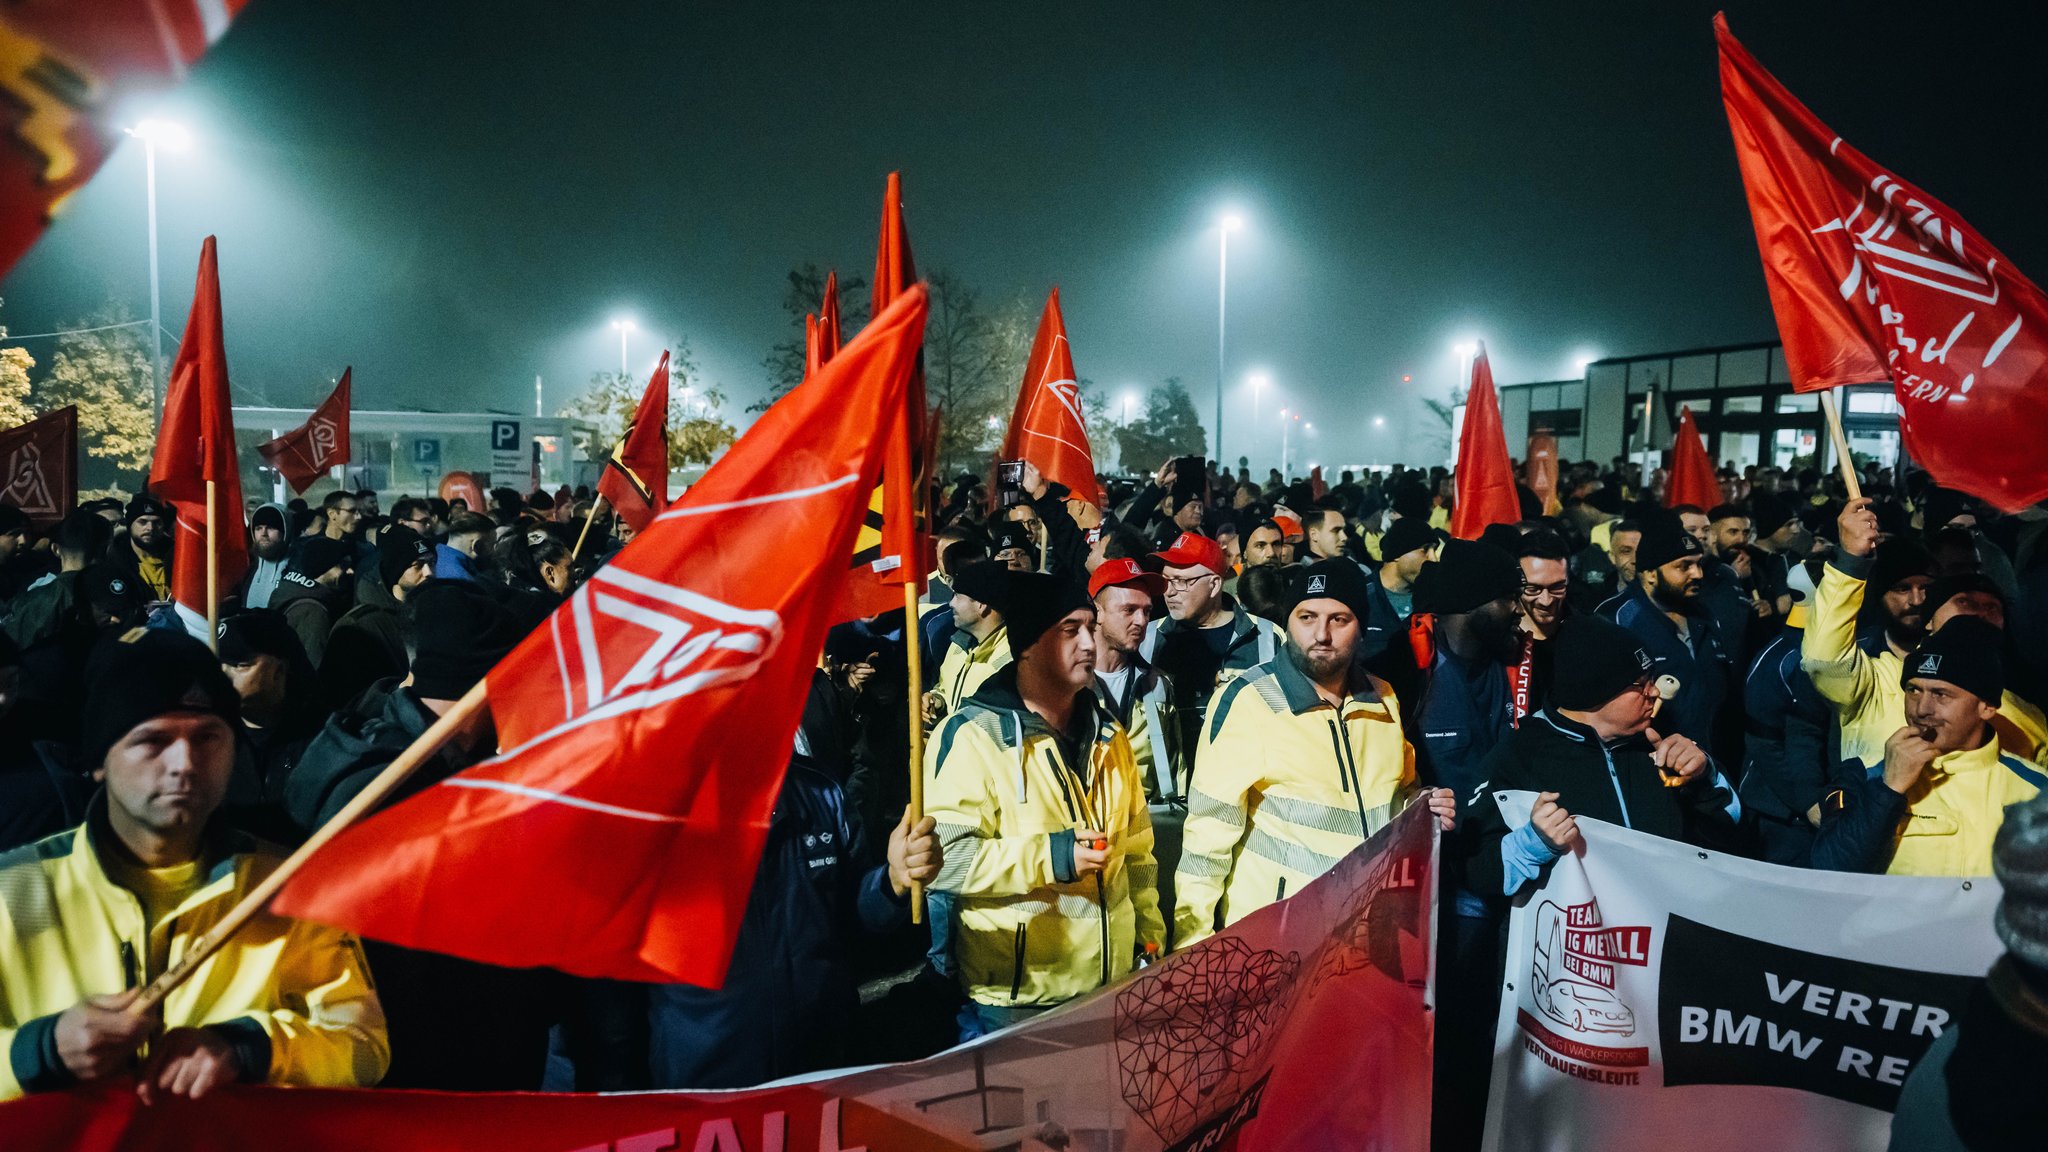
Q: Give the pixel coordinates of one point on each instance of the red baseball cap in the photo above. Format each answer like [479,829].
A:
[1191,550]
[1125,573]
[1289,526]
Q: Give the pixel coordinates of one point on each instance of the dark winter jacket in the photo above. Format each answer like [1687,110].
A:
[366,644]
[1786,767]
[311,608]
[1699,661]
[1613,782]
[789,994]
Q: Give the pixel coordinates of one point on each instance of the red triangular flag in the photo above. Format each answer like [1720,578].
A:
[1047,428]
[322,442]
[635,479]
[1874,280]
[196,443]
[1485,482]
[646,723]
[1539,469]
[1692,471]
[821,331]
[891,548]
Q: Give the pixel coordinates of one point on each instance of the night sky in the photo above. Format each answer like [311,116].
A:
[454,197]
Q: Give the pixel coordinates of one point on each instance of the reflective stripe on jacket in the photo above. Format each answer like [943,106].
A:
[1285,785]
[1007,804]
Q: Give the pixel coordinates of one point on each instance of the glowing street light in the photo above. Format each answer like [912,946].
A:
[1379,421]
[171,137]
[1130,402]
[624,326]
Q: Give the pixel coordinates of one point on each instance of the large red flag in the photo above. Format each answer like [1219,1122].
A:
[322,442]
[1874,280]
[635,479]
[647,724]
[1485,482]
[1692,470]
[196,443]
[891,548]
[1046,428]
[39,466]
[69,71]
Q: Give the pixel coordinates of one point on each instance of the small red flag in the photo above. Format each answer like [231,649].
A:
[821,331]
[39,466]
[322,442]
[1485,482]
[1873,280]
[196,443]
[1692,471]
[1539,469]
[891,549]
[1046,428]
[635,479]
[647,723]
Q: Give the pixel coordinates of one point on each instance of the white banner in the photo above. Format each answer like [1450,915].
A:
[1660,996]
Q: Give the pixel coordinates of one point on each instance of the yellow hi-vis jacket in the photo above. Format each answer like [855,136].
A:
[293,998]
[1027,931]
[967,664]
[1954,811]
[1285,785]
[1862,681]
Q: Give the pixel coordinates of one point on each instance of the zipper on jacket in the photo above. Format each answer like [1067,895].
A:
[1066,793]
[1337,749]
[131,976]
[1615,777]
[1344,759]
[1280,890]
[1017,981]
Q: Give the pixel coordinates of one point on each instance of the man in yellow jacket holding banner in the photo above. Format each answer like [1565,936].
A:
[1042,820]
[1302,759]
[91,915]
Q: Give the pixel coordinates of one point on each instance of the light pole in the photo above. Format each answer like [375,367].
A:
[1283,446]
[1259,382]
[624,327]
[1231,222]
[170,137]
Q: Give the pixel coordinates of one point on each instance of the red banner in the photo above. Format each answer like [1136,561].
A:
[66,68]
[1305,1025]
[39,466]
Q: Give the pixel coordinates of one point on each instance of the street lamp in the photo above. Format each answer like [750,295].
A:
[1379,421]
[1230,222]
[1130,399]
[624,326]
[1259,382]
[171,137]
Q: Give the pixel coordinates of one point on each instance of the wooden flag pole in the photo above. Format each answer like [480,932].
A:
[1841,443]
[595,503]
[212,575]
[423,749]
[913,649]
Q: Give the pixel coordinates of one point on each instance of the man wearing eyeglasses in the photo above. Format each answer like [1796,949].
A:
[1545,560]
[1206,639]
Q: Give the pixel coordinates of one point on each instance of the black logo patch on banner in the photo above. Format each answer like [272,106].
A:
[1735,1010]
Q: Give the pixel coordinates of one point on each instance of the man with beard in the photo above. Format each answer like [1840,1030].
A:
[145,555]
[1206,638]
[1932,804]
[268,546]
[1663,610]
[313,593]
[1860,676]
[1302,760]
[1264,545]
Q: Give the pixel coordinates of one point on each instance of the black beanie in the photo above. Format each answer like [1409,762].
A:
[1896,559]
[269,514]
[1406,535]
[1596,660]
[145,673]
[1032,602]
[241,638]
[1505,537]
[314,555]
[1769,512]
[1466,577]
[459,630]
[1664,540]
[1947,588]
[1965,653]
[982,582]
[143,504]
[1336,579]
[398,549]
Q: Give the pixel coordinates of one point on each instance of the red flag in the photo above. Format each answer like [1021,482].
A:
[1485,482]
[196,443]
[69,71]
[821,331]
[645,725]
[1874,280]
[1539,470]
[322,442]
[891,549]
[1692,470]
[39,466]
[635,479]
[1047,428]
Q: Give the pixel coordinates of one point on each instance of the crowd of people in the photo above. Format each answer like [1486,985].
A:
[1143,721]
